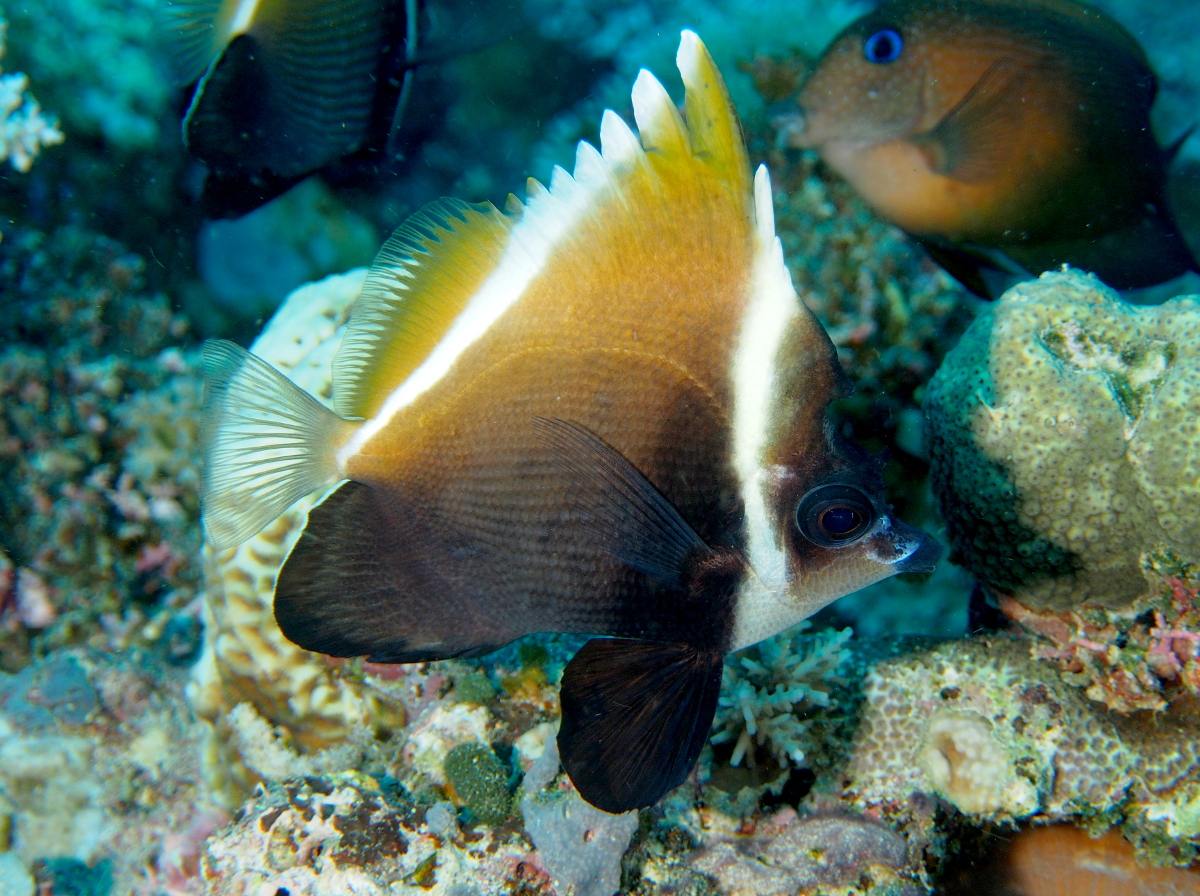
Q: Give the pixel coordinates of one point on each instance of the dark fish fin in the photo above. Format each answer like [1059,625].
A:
[628,516]
[362,581]
[635,715]
[1149,251]
[1171,150]
[972,141]
[985,272]
[188,33]
[294,92]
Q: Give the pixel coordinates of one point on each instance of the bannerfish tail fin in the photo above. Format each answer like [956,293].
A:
[635,715]
[368,578]
[294,87]
[267,443]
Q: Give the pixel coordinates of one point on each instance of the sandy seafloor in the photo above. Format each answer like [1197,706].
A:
[158,737]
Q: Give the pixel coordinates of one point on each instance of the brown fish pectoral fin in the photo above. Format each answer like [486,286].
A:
[970,143]
[635,715]
[629,518]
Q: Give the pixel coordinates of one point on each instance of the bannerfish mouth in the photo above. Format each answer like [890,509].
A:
[924,559]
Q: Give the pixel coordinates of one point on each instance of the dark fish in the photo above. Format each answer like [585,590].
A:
[1009,136]
[603,412]
[288,87]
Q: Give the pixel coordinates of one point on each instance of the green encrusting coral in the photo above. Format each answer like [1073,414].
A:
[479,781]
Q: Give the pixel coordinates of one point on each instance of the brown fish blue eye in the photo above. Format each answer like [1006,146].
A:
[883,46]
[834,515]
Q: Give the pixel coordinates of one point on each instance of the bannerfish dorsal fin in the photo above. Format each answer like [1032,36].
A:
[419,283]
[454,269]
[635,715]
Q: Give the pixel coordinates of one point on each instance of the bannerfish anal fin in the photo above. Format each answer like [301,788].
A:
[626,515]
[364,581]
[635,715]
[971,142]
[985,272]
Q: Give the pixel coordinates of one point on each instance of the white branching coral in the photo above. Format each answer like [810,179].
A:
[24,131]
[770,688]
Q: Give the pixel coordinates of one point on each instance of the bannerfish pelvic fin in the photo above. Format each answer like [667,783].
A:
[601,412]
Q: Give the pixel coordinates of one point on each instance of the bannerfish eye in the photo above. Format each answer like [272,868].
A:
[834,515]
[883,46]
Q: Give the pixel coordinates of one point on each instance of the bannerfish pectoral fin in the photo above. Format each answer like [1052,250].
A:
[628,516]
[368,577]
[635,715]
[971,143]
[267,443]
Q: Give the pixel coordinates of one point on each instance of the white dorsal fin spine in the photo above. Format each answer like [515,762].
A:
[764,206]
[659,123]
[618,144]
[550,214]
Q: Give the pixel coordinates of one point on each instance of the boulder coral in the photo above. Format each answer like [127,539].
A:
[1063,441]
[1001,738]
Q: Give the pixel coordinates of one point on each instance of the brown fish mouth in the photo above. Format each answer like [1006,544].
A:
[790,128]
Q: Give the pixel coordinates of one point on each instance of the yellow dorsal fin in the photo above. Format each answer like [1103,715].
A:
[420,281]
[453,269]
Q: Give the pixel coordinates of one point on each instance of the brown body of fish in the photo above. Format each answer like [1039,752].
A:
[603,412]
[984,127]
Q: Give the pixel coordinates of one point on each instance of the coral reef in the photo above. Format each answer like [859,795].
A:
[770,688]
[246,659]
[115,80]
[980,724]
[99,773]
[98,429]
[826,854]
[23,128]
[1063,441]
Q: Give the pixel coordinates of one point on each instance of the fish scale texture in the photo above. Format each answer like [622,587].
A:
[246,658]
[1063,441]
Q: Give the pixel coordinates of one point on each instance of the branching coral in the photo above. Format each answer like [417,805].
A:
[24,130]
[770,687]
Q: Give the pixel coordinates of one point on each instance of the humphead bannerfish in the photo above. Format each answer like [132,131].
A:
[603,411]
[1009,136]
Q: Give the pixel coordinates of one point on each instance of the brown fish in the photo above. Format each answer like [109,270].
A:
[603,412]
[1008,136]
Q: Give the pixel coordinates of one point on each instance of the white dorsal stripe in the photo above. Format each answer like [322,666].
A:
[548,216]
[243,18]
[772,306]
